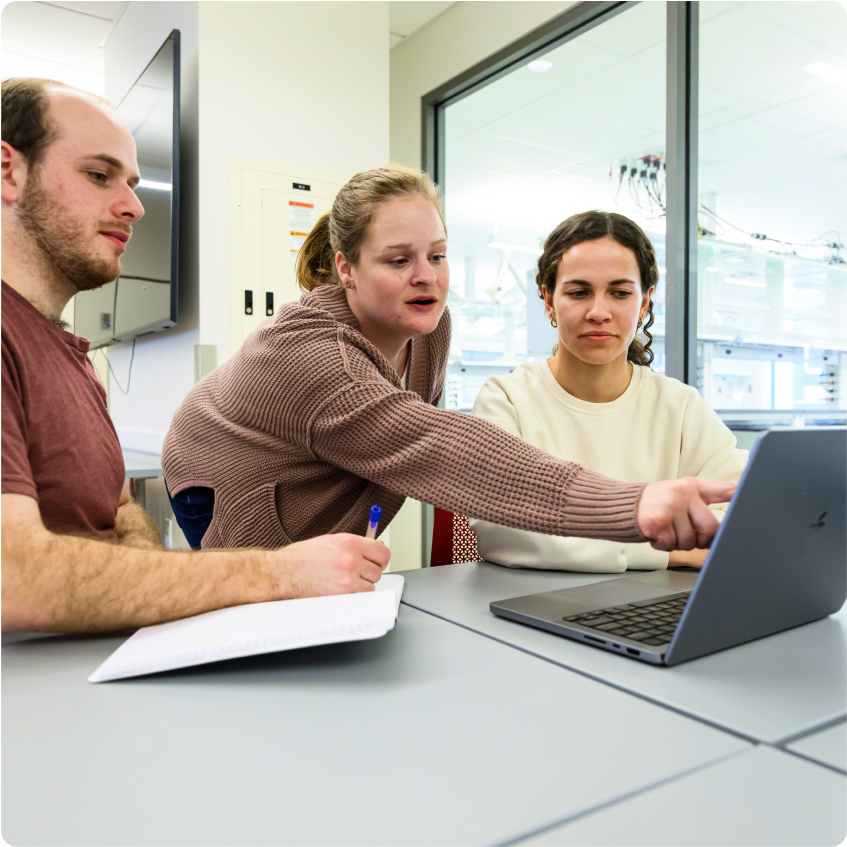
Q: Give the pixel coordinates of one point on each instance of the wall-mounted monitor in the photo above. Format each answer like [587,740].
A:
[144,298]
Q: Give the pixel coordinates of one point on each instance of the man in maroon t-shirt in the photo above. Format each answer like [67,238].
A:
[78,553]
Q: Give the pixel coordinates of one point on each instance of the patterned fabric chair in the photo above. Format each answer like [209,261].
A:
[453,540]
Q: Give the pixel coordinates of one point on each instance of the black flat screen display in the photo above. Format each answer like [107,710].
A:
[144,298]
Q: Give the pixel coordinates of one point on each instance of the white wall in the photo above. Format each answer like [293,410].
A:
[302,84]
[467,33]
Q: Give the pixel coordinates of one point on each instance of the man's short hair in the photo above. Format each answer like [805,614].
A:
[26,126]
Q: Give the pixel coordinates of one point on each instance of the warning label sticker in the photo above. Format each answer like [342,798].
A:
[301,218]
[297,239]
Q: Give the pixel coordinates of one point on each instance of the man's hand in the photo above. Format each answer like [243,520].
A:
[330,564]
[674,515]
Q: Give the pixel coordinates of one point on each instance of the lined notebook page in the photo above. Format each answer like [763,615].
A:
[255,628]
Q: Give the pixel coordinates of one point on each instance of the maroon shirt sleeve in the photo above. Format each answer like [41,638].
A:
[16,471]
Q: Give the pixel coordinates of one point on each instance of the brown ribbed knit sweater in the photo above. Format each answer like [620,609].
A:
[307,426]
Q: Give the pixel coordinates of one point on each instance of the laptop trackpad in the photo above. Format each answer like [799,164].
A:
[613,592]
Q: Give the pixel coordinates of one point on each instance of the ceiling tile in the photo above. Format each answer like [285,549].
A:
[746,55]
[454,131]
[829,104]
[832,138]
[784,121]
[55,34]
[714,8]
[488,105]
[572,62]
[820,22]
[709,99]
[629,91]
[655,56]
[803,87]
[107,9]
[407,16]
[12,64]
[767,163]
[636,28]
[503,156]
[736,139]
[744,108]
[715,119]
[569,130]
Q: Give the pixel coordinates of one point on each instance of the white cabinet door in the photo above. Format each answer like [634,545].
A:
[274,208]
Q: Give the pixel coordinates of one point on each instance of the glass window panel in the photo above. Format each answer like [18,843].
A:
[772,298]
[528,151]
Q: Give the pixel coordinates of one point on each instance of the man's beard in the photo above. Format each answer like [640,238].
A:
[62,240]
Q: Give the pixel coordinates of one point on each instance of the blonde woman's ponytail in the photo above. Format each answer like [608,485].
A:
[316,259]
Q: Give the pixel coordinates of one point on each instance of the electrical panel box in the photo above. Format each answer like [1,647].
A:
[274,208]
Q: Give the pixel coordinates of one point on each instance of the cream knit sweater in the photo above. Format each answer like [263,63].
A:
[657,429]
[308,425]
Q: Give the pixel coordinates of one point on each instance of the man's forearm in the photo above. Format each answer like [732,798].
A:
[135,528]
[67,584]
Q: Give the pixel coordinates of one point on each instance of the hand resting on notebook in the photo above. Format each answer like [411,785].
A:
[62,583]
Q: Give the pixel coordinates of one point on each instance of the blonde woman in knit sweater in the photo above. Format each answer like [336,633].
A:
[331,406]
[596,401]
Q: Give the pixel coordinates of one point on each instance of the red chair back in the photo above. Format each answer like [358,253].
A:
[453,540]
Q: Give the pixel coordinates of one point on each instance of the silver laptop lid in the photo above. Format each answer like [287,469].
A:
[780,557]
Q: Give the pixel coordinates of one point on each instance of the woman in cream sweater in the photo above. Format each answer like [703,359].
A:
[596,401]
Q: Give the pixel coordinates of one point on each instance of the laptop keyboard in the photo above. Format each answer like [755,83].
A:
[652,624]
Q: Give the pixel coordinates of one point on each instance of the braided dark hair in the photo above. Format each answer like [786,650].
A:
[592,226]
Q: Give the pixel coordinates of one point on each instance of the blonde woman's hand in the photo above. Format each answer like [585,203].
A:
[675,515]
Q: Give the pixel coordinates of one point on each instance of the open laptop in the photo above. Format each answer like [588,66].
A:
[779,560]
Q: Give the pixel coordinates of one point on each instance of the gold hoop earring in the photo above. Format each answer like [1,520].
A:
[553,323]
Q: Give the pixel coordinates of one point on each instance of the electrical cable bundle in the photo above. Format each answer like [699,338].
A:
[645,185]
[798,247]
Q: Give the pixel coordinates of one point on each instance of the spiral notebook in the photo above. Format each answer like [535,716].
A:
[256,628]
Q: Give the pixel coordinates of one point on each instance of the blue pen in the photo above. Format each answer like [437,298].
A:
[373,521]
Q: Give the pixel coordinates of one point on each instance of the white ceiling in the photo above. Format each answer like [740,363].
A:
[58,41]
[531,149]
[407,16]
[61,40]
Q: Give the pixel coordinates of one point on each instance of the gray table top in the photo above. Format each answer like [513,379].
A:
[767,690]
[828,746]
[759,797]
[430,735]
